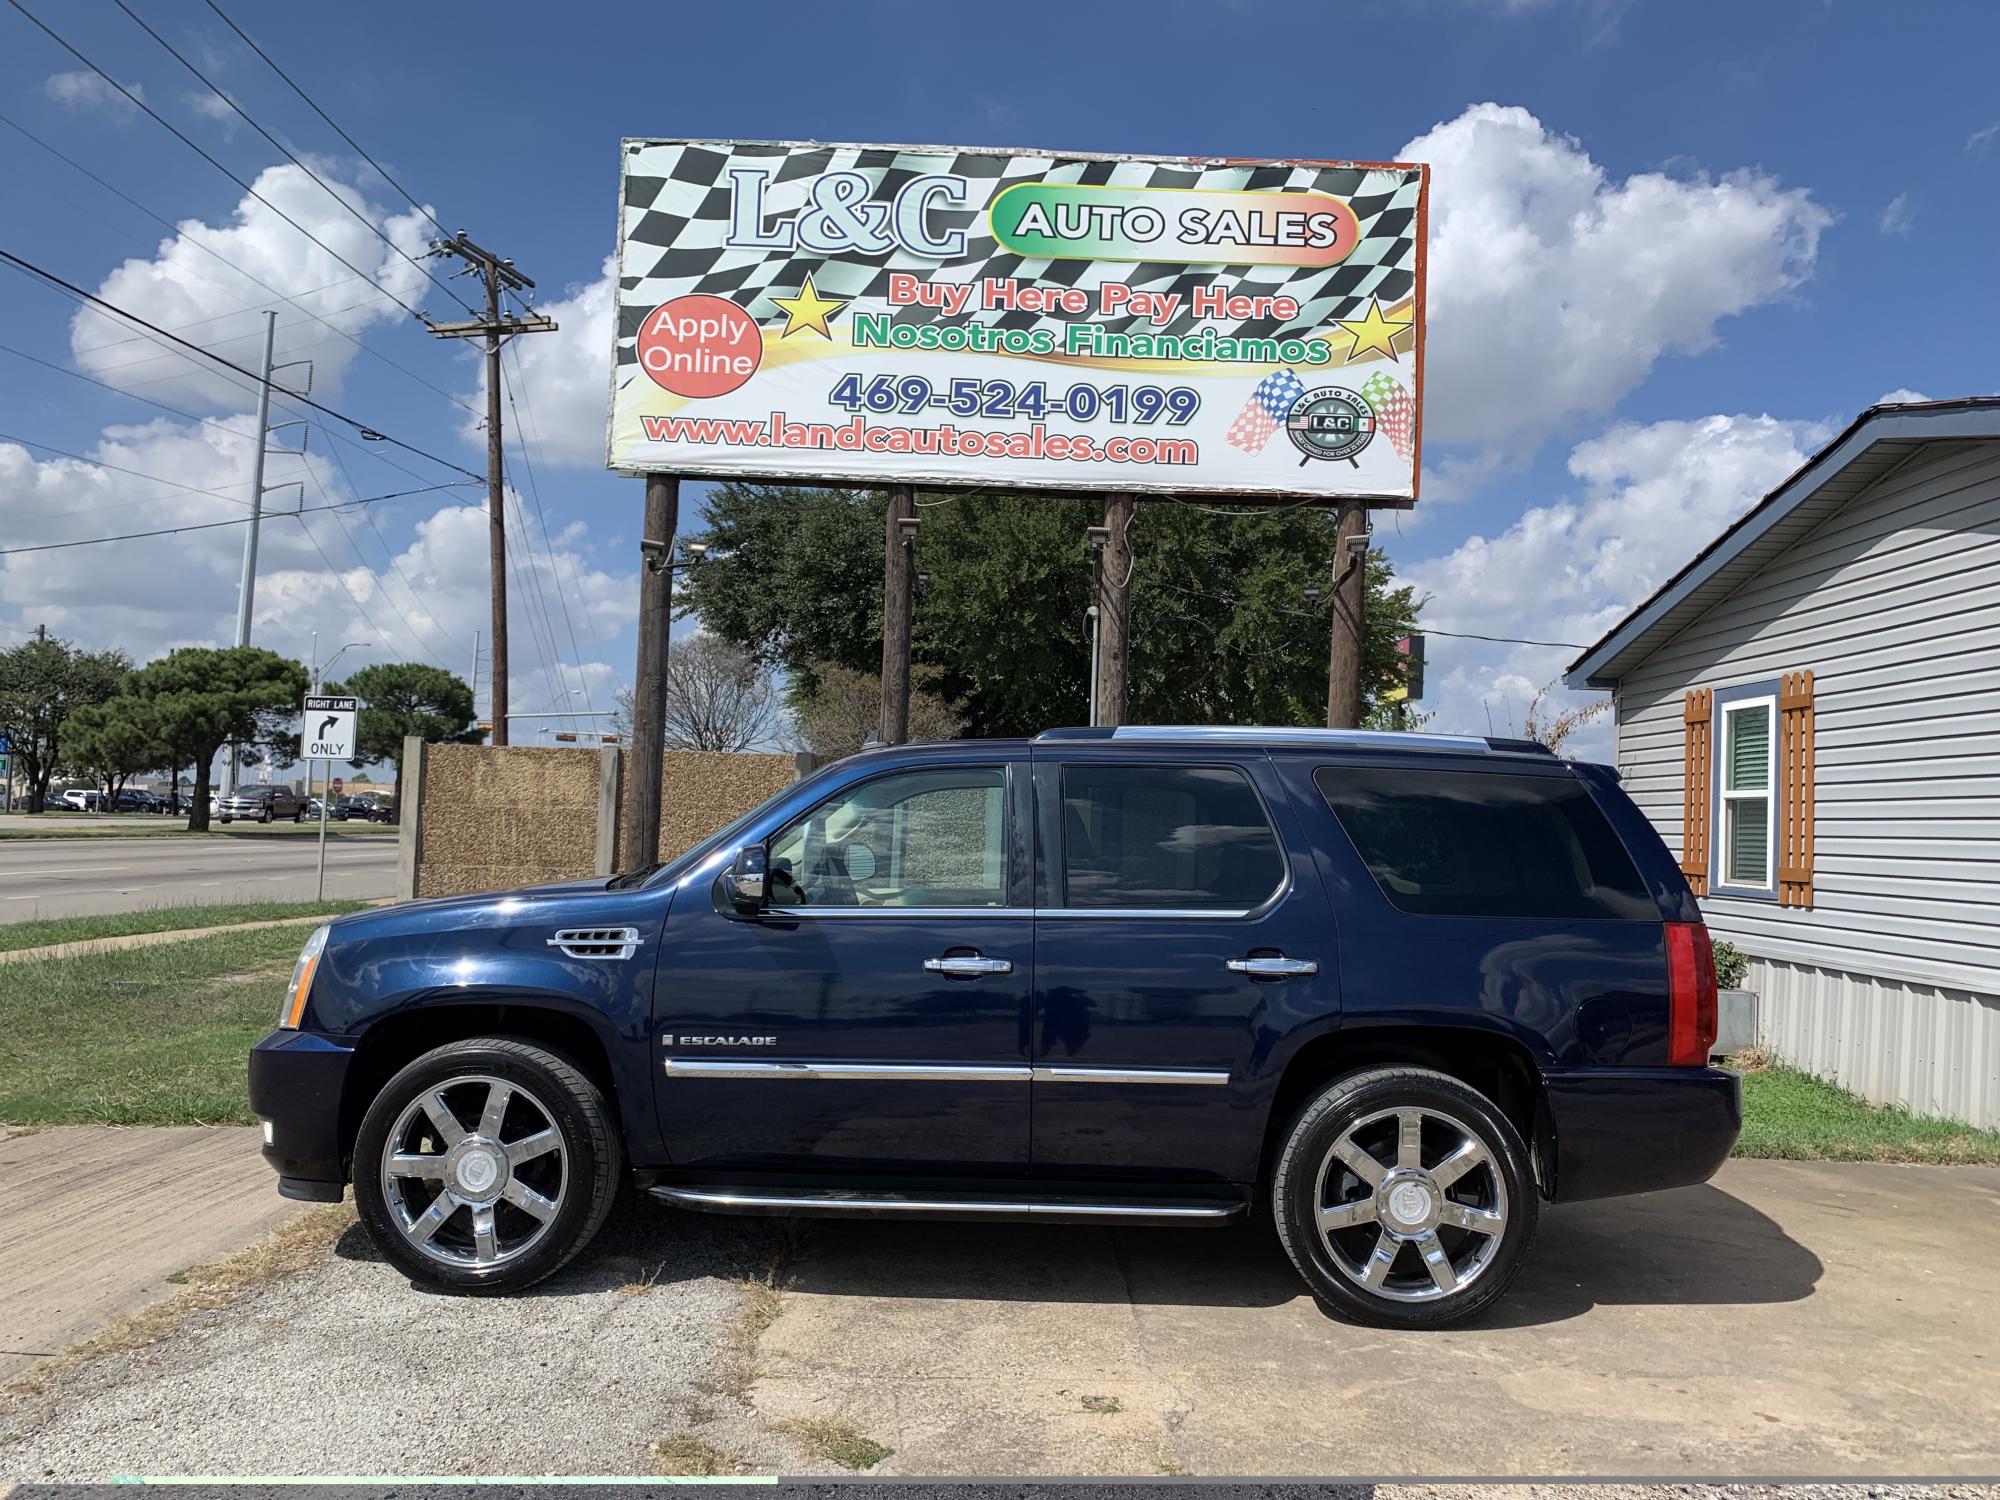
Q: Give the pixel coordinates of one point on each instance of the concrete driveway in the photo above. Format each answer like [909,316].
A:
[1789,1318]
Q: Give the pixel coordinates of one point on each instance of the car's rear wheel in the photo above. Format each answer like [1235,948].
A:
[1405,1198]
[486,1164]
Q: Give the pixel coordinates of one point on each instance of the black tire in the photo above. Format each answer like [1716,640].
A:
[1409,1293]
[298,815]
[590,1166]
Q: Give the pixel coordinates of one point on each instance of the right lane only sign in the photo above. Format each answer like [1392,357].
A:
[327,730]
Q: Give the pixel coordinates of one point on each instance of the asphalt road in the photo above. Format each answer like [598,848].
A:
[86,877]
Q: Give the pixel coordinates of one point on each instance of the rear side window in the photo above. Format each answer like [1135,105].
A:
[1166,836]
[1485,844]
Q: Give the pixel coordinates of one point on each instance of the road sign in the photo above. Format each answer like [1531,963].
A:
[336,786]
[327,732]
[6,745]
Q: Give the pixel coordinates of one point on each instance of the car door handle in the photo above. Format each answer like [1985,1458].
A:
[968,966]
[1273,968]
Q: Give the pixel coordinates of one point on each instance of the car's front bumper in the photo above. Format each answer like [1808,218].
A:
[295,1088]
[1636,1130]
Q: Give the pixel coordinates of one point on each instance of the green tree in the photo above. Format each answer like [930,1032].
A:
[399,699]
[202,698]
[1229,609]
[42,684]
[114,741]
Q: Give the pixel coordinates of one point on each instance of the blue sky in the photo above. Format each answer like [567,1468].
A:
[1687,241]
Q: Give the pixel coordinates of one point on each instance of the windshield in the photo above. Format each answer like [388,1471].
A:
[673,869]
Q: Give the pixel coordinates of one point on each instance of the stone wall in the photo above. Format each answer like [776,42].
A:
[491,818]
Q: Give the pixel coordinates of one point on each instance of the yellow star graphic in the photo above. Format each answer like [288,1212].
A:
[808,310]
[1372,332]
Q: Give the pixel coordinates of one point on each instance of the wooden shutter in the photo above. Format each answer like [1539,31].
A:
[1696,770]
[1795,789]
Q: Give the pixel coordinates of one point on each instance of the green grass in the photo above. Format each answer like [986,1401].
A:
[147,1036]
[39,934]
[1797,1117]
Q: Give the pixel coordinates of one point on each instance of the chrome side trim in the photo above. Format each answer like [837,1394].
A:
[1197,1076]
[725,1198]
[1128,913]
[730,1067]
[849,912]
[715,1067]
[597,942]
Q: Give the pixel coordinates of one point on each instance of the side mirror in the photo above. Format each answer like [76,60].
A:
[746,878]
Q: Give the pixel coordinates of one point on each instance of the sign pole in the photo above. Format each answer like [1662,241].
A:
[1350,567]
[898,564]
[640,824]
[1114,611]
[319,890]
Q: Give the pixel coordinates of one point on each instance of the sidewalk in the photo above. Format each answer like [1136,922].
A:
[99,1216]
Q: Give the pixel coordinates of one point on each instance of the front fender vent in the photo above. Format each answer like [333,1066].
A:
[597,942]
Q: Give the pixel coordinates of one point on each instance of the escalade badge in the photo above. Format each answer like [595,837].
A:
[719,1041]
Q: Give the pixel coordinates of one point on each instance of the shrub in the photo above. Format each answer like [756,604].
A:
[1732,966]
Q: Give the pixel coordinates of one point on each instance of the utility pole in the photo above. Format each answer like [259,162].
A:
[246,587]
[1112,542]
[639,830]
[1350,568]
[498,276]
[899,545]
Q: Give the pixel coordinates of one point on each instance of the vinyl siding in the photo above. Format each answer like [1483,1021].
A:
[1893,603]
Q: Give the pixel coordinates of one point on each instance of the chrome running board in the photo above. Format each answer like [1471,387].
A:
[811,1203]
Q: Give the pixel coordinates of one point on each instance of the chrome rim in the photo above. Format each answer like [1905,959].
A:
[474,1172]
[1410,1204]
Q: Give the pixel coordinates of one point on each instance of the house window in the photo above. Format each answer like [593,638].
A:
[1745,789]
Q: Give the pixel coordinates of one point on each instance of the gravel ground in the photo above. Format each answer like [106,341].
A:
[351,1370]
[863,1489]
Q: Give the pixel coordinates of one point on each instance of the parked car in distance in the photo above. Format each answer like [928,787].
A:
[131,799]
[82,799]
[262,802]
[1393,989]
[338,810]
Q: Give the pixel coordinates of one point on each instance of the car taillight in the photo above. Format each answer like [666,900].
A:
[1691,998]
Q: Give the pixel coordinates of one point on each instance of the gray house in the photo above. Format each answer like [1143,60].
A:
[1809,712]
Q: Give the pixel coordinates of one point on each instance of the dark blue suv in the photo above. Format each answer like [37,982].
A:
[1397,987]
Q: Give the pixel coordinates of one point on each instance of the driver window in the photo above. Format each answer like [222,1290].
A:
[919,838]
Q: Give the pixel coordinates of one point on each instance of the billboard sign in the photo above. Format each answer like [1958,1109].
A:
[945,316]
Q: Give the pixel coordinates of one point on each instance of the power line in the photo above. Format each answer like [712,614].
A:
[49,364]
[291,300]
[379,168]
[98,463]
[133,536]
[80,294]
[369,224]
[54,36]
[1504,640]
[548,542]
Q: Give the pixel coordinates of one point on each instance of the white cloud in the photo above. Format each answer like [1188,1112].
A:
[1899,396]
[191,291]
[1981,141]
[1554,289]
[210,106]
[1897,217]
[1570,570]
[153,594]
[86,92]
[563,385]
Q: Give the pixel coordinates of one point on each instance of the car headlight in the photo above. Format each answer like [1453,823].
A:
[302,978]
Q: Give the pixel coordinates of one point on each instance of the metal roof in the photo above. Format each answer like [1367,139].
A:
[1879,440]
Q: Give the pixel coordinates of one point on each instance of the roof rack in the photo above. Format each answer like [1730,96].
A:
[1235,734]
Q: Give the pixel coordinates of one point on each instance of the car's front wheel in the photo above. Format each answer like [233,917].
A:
[486,1164]
[1405,1198]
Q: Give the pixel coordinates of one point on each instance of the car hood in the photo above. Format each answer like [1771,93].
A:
[560,900]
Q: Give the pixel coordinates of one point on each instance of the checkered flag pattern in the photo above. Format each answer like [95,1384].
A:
[677,212]
[1395,409]
[1264,412]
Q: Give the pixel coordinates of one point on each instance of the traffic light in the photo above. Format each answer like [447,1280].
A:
[1411,649]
